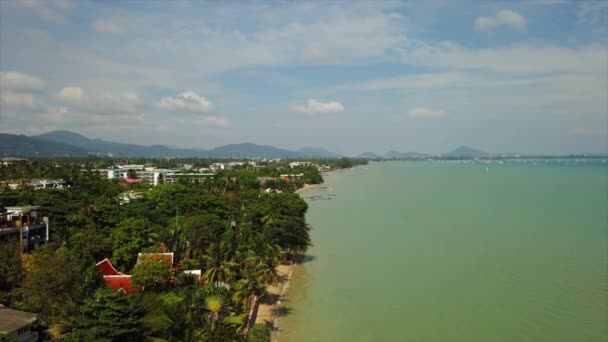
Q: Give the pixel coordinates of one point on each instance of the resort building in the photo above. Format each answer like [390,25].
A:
[295,164]
[17,325]
[113,173]
[26,225]
[157,176]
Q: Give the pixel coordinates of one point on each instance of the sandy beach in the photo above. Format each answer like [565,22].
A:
[307,187]
[269,310]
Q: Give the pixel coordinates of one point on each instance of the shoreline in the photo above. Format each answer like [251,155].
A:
[269,310]
[307,187]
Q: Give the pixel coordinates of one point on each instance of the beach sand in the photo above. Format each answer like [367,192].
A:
[307,187]
[269,310]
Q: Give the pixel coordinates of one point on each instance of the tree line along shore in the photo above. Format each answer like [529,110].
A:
[226,234]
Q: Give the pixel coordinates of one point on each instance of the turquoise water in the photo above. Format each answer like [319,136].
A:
[453,251]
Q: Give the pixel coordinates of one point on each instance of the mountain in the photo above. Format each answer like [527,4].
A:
[317,152]
[250,150]
[117,149]
[24,146]
[369,155]
[70,143]
[466,151]
[396,154]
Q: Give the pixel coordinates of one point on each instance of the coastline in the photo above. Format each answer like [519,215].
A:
[269,309]
[307,187]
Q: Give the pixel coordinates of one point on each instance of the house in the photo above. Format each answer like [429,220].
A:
[157,176]
[17,325]
[12,160]
[26,225]
[119,281]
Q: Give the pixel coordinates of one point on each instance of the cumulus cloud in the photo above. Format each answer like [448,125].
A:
[504,17]
[426,113]
[106,27]
[9,98]
[188,100]
[18,80]
[72,94]
[314,107]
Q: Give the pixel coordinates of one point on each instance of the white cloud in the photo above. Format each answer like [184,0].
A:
[214,121]
[50,10]
[426,113]
[132,97]
[72,94]
[593,12]
[314,107]
[18,80]
[105,26]
[504,17]
[13,99]
[511,59]
[188,100]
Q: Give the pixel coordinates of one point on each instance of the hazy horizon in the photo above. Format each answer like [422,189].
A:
[527,77]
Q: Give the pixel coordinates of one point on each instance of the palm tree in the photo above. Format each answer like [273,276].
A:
[220,267]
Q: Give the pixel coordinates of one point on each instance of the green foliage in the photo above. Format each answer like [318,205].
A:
[109,316]
[129,237]
[259,333]
[10,266]
[194,220]
[150,274]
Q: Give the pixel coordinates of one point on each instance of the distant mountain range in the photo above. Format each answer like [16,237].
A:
[66,143]
[465,152]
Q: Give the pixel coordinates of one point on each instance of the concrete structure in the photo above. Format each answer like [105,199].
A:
[155,177]
[113,173]
[24,224]
[294,164]
[17,325]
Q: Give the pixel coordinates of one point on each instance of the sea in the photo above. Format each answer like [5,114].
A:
[455,251]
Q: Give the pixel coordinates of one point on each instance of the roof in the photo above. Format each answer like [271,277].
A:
[166,258]
[11,320]
[23,209]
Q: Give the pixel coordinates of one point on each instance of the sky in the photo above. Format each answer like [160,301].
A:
[353,76]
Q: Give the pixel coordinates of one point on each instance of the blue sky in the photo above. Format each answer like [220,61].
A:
[523,76]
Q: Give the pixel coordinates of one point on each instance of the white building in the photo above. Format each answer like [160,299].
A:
[113,173]
[218,166]
[17,325]
[294,164]
[131,167]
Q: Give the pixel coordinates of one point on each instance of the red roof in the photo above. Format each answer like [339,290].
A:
[118,282]
[130,180]
[106,268]
[287,179]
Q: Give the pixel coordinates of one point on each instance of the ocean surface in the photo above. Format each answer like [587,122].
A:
[455,251]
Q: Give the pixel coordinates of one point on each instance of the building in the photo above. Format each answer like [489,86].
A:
[17,324]
[217,167]
[131,167]
[157,176]
[26,225]
[47,184]
[113,173]
[295,164]
[12,160]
